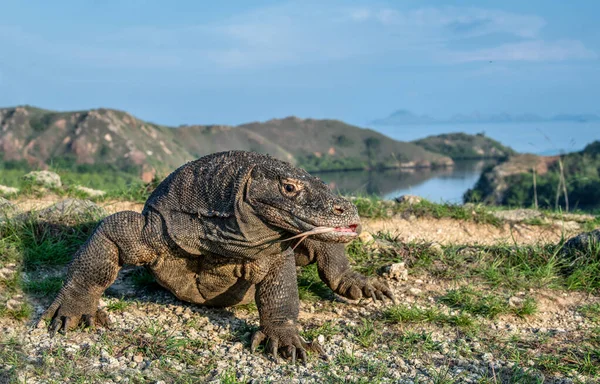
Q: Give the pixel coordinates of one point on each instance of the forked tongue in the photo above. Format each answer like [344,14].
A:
[314,231]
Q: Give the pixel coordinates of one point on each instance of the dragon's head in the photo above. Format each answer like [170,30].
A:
[291,199]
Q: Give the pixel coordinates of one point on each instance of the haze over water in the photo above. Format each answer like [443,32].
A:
[539,138]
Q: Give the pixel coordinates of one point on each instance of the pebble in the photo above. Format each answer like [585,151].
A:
[415,291]
[13,305]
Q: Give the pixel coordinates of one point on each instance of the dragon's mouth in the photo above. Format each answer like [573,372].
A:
[351,229]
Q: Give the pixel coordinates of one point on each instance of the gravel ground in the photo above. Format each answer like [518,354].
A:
[154,338]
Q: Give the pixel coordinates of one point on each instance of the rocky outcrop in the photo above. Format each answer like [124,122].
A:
[581,246]
[68,211]
[45,179]
[494,182]
[459,146]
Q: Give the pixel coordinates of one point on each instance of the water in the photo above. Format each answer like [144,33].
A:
[449,185]
[539,138]
[438,185]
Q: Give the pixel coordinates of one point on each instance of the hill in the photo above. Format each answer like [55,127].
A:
[332,144]
[120,140]
[460,146]
[512,182]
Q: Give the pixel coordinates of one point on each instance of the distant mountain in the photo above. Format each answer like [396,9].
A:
[461,146]
[116,138]
[404,117]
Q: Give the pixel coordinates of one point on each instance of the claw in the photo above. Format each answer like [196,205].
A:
[88,321]
[54,326]
[274,344]
[64,326]
[293,353]
[257,338]
[302,356]
[315,346]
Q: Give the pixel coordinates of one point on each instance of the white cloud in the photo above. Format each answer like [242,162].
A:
[454,21]
[531,50]
[296,33]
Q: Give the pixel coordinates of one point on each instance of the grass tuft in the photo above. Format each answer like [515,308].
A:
[405,314]
[486,305]
[48,286]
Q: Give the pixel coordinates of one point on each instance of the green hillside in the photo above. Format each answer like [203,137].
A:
[105,137]
[461,146]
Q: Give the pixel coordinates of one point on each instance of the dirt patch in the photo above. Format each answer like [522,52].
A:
[449,231]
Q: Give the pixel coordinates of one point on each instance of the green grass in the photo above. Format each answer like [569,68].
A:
[22,312]
[48,286]
[591,311]
[328,329]
[486,305]
[516,268]
[119,305]
[310,285]
[364,369]
[403,314]
[369,260]
[365,334]
[230,377]
[411,344]
[376,208]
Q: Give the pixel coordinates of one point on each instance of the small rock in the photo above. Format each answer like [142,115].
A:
[321,339]
[487,357]
[90,192]
[366,237]
[138,358]
[415,291]
[396,271]
[515,301]
[7,273]
[436,249]
[408,199]
[44,178]
[5,190]
[13,304]
[383,246]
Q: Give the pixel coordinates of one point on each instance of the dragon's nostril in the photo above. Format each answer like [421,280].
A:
[338,210]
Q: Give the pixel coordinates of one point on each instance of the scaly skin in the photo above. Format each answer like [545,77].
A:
[214,233]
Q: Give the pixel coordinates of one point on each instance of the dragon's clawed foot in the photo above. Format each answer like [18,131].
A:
[356,286]
[287,341]
[69,311]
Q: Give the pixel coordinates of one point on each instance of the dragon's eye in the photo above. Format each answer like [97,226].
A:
[289,188]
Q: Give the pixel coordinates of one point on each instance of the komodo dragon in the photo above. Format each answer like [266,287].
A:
[217,232]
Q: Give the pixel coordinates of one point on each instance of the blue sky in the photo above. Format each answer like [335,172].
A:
[238,61]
